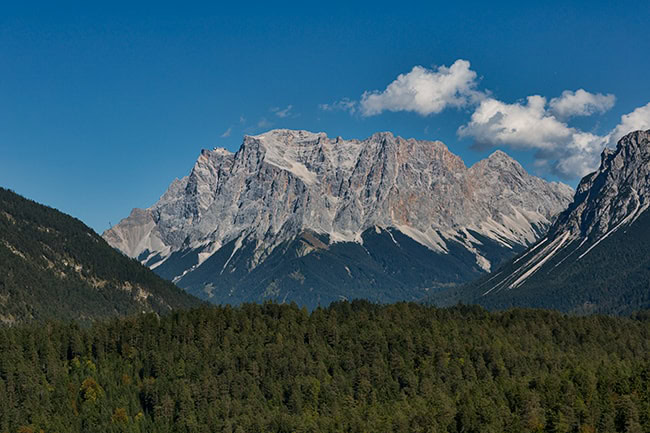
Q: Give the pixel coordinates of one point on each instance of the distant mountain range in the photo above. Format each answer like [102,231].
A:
[52,266]
[595,257]
[297,216]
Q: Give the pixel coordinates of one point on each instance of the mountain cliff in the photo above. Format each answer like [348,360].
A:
[595,257]
[295,215]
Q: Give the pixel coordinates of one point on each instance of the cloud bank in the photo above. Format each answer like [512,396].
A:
[535,123]
[561,149]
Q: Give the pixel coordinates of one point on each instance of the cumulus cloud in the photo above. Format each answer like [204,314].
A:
[425,91]
[345,104]
[559,148]
[518,125]
[581,103]
[577,157]
[282,113]
[634,121]
[535,123]
[530,125]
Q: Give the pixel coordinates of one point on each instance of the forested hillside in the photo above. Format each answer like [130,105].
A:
[353,367]
[54,266]
[614,278]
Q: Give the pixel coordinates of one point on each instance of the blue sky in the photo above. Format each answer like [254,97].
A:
[102,106]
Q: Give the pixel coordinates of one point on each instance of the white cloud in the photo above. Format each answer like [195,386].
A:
[637,119]
[227,133]
[282,113]
[560,148]
[533,124]
[577,157]
[518,125]
[425,91]
[581,103]
[345,104]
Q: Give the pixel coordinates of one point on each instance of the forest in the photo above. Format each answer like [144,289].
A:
[352,367]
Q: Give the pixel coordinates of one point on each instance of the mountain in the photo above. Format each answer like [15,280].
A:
[596,256]
[295,215]
[52,266]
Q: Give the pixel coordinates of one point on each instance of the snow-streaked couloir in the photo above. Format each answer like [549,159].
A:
[295,215]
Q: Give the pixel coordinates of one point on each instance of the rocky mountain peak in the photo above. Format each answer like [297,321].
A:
[617,193]
[283,183]
[222,151]
[500,155]
[500,161]
[382,135]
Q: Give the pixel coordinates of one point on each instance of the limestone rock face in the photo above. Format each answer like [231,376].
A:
[285,183]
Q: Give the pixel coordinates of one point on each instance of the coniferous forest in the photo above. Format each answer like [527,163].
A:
[355,367]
